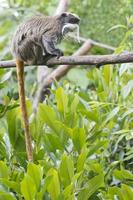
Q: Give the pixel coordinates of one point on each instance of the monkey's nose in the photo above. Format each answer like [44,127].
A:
[77,20]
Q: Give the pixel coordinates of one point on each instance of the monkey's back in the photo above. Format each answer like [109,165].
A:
[26,43]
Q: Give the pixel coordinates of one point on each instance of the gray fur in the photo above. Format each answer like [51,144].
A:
[36,38]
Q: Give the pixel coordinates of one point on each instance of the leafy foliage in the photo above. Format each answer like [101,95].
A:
[82,143]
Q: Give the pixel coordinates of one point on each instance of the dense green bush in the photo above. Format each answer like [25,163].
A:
[82,142]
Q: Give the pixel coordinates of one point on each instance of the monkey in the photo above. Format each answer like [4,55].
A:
[34,41]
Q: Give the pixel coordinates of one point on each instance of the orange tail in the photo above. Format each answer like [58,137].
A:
[20,76]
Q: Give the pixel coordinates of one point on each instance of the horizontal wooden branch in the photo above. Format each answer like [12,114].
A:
[92,59]
[81,60]
[7,64]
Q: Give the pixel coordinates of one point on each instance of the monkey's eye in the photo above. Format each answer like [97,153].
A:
[64,14]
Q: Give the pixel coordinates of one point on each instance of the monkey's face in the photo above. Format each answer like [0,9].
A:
[70,23]
[70,18]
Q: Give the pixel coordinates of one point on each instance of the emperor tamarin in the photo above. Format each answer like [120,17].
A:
[32,43]
[37,37]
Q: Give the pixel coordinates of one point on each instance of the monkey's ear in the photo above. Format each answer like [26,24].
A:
[64,14]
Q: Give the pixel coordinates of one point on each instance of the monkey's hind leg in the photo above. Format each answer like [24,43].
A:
[20,76]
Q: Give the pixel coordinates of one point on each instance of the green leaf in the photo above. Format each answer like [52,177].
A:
[62,100]
[79,138]
[95,167]
[124,193]
[3,150]
[81,159]
[6,76]
[4,172]
[127,113]
[123,174]
[127,192]
[92,186]
[113,191]
[91,115]
[28,188]
[68,192]
[54,185]
[67,130]
[13,122]
[112,114]
[116,27]
[6,196]
[2,85]
[123,68]
[36,173]
[107,72]
[74,104]
[48,116]
[44,187]
[52,142]
[93,149]
[66,170]
[127,89]
[10,184]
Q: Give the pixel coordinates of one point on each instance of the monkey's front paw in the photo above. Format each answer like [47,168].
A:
[59,53]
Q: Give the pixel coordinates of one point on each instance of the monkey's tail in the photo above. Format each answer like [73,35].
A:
[20,76]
